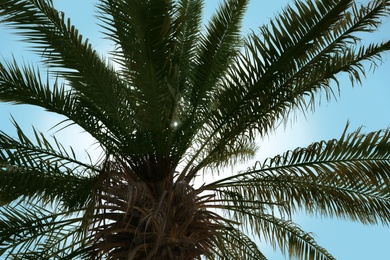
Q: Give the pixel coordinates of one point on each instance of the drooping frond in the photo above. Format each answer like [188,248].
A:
[45,171]
[290,238]
[234,244]
[256,216]
[33,232]
[346,178]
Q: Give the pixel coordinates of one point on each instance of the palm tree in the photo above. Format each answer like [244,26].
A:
[175,102]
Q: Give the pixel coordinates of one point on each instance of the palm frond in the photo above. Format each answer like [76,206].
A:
[24,85]
[298,56]
[289,64]
[233,244]
[217,48]
[44,171]
[254,219]
[216,51]
[144,33]
[189,17]
[275,230]
[290,238]
[346,178]
[60,44]
[150,46]
[33,232]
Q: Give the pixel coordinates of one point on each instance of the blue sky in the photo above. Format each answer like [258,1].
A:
[365,105]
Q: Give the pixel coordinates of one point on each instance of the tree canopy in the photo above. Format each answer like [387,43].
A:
[177,100]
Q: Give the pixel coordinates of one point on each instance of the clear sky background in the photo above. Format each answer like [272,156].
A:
[367,105]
